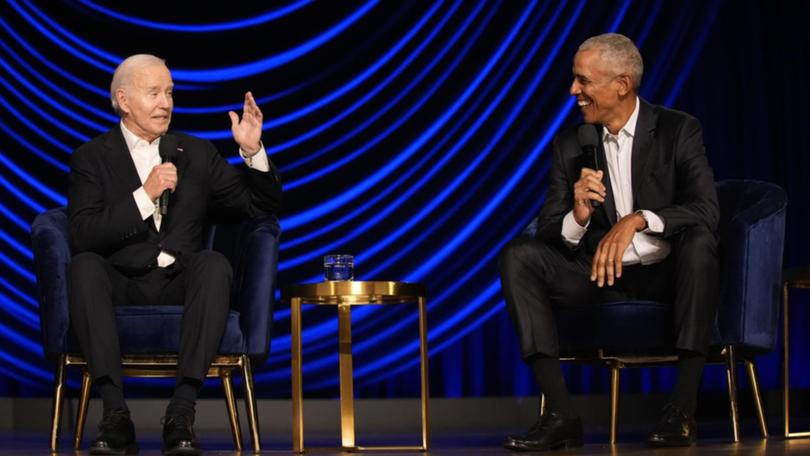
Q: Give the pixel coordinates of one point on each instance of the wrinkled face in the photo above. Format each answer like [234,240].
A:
[598,88]
[147,101]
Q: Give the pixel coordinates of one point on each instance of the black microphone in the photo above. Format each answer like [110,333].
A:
[588,140]
[168,152]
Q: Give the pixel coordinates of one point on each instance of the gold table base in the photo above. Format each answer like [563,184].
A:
[344,295]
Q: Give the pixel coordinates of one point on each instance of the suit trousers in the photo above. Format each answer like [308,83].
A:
[201,282]
[538,276]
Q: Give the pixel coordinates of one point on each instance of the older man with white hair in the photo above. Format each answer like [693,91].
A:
[640,225]
[129,249]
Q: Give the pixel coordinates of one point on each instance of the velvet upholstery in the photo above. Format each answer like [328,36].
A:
[252,248]
[751,234]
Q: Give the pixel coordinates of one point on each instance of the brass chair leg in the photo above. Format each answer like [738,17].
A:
[731,377]
[423,368]
[81,414]
[250,404]
[752,376]
[542,404]
[58,397]
[230,404]
[614,401]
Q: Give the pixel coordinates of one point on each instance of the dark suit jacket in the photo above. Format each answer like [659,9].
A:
[670,174]
[104,218]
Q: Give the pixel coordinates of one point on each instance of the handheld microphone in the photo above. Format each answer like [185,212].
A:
[168,152]
[588,140]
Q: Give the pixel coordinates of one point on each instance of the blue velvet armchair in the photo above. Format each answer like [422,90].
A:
[149,335]
[639,333]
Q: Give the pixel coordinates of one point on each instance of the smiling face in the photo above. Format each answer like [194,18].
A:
[146,101]
[604,95]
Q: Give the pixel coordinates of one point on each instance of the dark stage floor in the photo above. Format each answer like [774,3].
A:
[714,441]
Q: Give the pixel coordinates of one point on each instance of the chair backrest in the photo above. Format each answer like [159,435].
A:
[752,239]
[251,245]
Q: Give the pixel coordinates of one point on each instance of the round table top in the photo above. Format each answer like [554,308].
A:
[355,292]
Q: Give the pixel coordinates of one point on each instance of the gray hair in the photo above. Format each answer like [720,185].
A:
[123,74]
[619,52]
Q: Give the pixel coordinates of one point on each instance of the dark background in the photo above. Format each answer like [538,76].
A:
[414,135]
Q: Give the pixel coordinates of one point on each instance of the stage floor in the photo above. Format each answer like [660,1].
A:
[19,444]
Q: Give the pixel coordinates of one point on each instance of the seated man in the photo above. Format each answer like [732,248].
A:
[640,226]
[130,250]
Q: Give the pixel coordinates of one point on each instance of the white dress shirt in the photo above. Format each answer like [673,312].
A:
[146,156]
[646,247]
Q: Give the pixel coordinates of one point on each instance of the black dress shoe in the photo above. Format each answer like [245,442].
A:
[116,434]
[551,432]
[675,428]
[178,436]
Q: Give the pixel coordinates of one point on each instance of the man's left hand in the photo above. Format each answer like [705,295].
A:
[607,261]
[248,131]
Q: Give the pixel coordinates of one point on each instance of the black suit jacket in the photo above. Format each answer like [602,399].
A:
[104,218]
[670,175]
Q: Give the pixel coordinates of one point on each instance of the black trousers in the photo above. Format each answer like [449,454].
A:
[537,277]
[202,284]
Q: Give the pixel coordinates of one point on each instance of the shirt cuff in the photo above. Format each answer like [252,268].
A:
[145,204]
[572,232]
[655,224]
[258,161]
[164,259]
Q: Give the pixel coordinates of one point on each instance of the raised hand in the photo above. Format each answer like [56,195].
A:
[247,132]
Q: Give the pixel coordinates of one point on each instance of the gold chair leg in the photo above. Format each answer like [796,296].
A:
[230,404]
[58,397]
[542,404]
[786,359]
[752,376]
[250,403]
[81,414]
[731,377]
[614,401]
[423,363]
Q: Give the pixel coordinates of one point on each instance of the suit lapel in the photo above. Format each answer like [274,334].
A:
[642,145]
[120,160]
[181,163]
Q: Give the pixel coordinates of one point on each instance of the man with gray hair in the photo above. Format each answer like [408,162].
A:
[637,223]
[128,249]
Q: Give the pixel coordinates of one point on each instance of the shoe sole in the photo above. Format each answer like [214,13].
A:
[132,449]
[182,452]
[563,444]
[670,444]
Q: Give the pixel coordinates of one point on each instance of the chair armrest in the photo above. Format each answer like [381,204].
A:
[252,247]
[751,247]
[51,258]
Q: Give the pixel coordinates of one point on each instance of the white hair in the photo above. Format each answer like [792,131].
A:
[619,52]
[124,72]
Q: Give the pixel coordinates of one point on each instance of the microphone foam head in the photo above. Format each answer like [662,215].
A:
[586,134]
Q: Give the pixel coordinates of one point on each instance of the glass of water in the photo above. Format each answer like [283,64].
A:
[338,267]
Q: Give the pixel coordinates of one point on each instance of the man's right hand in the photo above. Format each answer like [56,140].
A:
[162,177]
[588,187]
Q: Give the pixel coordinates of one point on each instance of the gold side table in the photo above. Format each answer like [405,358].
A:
[344,295]
[793,278]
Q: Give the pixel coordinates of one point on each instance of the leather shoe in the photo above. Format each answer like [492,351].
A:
[178,436]
[675,428]
[550,432]
[116,434]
